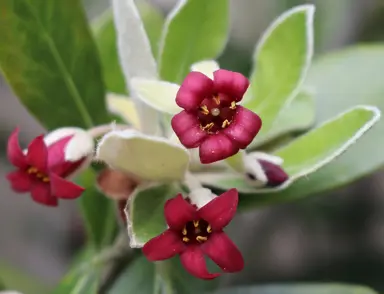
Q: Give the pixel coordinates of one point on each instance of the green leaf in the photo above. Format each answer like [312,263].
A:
[49,58]
[298,289]
[311,151]
[135,57]
[145,157]
[342,79]
[98,211]
[298,116]
[282,59]
[145,212]
[195,30]
[105,35]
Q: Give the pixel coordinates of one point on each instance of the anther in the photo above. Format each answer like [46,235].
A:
[45,179]
[215,111]
[185,239]
[39,175]
[207,127]
[32,170]
[233,105]
[195,223]
[201,239]
[204,109]
[184,231]
[225,124]
[209,229]
[217,99]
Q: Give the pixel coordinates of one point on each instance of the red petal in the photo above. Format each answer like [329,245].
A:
[20,181]
[14,152]
[217,147]
[231,83]
[220,211]
[41,193]
[37,154]
[195,87]
[187,128]
[223,252]
[56,155]
[164,246]
[275,174]
[178,212]
[245,126]
[193,261]
[62,188]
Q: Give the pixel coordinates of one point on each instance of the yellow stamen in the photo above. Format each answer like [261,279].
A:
[217,100]
[195,223]
[32,170]
[39,175]
[207,127]
[185,239]
[201,239]
[209,229]
[184,231]
[204,109]
[45,180]
[225,124]
[233,105]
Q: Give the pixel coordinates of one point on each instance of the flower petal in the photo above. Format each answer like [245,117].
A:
[115,184]
[62,188]
[41,193]
[231,83]
[275,174]
[20,181]
[187,127]
[217,147]
[193,261]
[164,246]
[14,152]
[37,154]
[223,252]
[194,89]
[244,128]
[178,212]
[220,211]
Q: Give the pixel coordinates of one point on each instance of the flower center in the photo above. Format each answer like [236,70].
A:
[196,231]
[216,113]
[33,171]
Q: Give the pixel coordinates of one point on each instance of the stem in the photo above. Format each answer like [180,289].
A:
[162,271]
[101,130]
[192,182]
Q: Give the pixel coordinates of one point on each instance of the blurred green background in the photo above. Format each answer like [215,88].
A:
[338,237]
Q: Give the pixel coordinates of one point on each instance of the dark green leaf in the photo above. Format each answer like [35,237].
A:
[48,56]
[299,289]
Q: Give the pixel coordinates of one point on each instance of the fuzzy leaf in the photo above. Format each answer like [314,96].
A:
[206,67]
[146,157]
[123,107]
[135,56]
[282,59]
[187,39]
[311,151]
[49,58]
[145,212]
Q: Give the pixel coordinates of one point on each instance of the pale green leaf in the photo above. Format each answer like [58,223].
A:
[298,289]
[236,162]
[145,212]
[146,157]
[207,67]
[282,59]
[311,151]
[157,94]
[195,30]
[298,116]
[48,56]
[123,107]
[135,56]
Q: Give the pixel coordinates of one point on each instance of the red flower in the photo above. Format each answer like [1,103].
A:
[194,233]
[42,170]
[211,119]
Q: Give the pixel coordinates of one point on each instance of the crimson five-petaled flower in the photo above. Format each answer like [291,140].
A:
[194,232]
[211,118]
[42,170]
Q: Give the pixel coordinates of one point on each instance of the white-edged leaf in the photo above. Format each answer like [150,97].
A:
[207,67]
[135,56]
[236,162]
[145,212]
[123,107]
[309,152]
[282,59]
[143,156]
[159,95]
[194,30]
